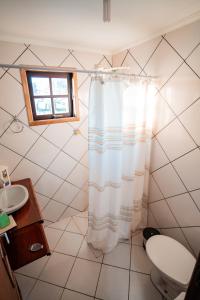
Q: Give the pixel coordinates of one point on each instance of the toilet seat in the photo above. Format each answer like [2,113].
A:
[171,258]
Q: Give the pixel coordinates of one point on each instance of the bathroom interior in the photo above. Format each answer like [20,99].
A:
[99,150]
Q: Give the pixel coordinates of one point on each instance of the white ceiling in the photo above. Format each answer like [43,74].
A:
[78,23]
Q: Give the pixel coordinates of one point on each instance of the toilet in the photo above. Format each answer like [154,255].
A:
[181,296]
[172,268]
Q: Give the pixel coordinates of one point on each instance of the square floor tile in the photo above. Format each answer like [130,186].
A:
[119,256]
[69,243]
[44,291]
[25,284]
[57,269]
[69,212]
[141,288]
[83,214]
[73,227]
[81,201]
[60,225]
[113,284]
[53,235]
[88,252]
[42,200]
[84,276]
[137,238]
[139,260]
[82,224]
[35,268]
[70,295]
[53,211]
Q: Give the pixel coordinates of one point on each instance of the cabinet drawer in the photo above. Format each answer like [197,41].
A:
[26,245]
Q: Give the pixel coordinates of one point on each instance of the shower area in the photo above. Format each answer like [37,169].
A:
[131,161]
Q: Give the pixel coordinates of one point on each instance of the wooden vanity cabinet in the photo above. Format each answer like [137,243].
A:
[27,241]
[8,285]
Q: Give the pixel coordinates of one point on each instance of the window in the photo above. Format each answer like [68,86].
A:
[51,97]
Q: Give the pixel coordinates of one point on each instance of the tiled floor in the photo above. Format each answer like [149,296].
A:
[75,271]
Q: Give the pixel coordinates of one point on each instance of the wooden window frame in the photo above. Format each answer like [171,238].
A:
[50,119]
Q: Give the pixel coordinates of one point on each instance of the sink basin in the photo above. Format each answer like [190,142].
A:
[13,198]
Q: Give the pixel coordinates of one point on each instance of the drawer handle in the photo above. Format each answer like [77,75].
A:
[35,247]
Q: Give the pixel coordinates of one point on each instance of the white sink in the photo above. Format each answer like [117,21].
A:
[13,198]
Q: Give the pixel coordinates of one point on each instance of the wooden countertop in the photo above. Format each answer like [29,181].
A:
[30,212]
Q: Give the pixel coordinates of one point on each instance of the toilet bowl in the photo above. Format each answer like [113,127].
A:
[173,265]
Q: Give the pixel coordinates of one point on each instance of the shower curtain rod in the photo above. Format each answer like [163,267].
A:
[60,69]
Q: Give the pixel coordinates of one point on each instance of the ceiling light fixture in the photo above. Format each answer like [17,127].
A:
[106,10]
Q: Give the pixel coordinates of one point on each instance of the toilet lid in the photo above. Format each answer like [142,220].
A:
[171,258]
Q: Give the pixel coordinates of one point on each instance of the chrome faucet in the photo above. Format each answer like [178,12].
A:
[1,183]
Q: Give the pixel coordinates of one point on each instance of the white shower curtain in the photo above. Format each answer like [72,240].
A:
[120,130]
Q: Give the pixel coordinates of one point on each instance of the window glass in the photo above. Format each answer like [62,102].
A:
[59,86]
[61,105]
[51,97]
[43,106]
[40,86]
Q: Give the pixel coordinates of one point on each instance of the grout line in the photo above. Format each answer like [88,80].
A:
[26,48]
[182,57]
[173,160]
[36,56]
[129,274]
[135,60]
[179,175]
[66,57]
[75,260]
[182,112]
[158,45]
[164,38]
[107,60]
[71,52]
[170,77]
[65,288]
[177,227]
[192,51]
[123,60]
[98,277]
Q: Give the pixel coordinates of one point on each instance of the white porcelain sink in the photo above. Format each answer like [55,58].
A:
[13,198]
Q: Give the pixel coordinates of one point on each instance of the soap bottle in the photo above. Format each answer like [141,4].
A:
[4,177]
[4,219]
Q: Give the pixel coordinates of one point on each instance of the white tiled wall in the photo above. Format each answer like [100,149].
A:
[39,152]
[174,198]
[54,158]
